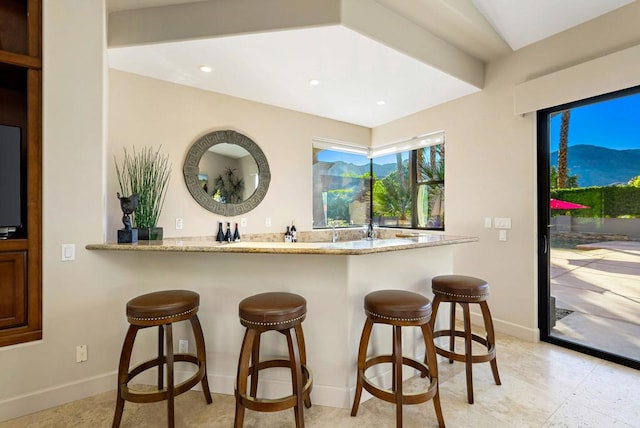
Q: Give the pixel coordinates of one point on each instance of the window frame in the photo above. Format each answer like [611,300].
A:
[414,182]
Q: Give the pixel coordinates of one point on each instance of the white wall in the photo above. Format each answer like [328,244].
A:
[490,172]
[491,160]
[145,111]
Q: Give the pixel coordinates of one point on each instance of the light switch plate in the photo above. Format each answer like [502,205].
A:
[502,222]
[68,252]
[487,222]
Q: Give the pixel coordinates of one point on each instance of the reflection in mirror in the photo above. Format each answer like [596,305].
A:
[227,173]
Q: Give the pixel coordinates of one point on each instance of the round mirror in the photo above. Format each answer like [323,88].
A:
[227,173]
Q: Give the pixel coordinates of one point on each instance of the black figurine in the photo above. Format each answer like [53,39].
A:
[128,205]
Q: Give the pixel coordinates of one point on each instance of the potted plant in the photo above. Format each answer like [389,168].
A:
[146,173]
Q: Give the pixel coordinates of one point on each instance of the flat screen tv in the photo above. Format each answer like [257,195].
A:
[10,180]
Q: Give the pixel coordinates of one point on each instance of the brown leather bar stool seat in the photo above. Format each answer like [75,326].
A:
[398,308]
[464,290]
[284,313]
[161,309]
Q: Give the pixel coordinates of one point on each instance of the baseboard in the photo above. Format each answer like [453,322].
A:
[55,396]
[321,395]
[506,327]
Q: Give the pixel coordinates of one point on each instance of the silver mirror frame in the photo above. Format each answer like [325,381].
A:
[191,170]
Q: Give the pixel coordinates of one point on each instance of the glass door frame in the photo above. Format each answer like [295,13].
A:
[543,241]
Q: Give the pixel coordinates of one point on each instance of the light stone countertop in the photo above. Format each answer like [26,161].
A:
[403,241]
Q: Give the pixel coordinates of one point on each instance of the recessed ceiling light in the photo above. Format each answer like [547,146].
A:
[381,103]
[206,69]
[314,82]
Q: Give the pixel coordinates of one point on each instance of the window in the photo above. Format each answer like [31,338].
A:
[430,187]
[341,188]
[407,189]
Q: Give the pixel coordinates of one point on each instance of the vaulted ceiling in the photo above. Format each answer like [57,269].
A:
[365,62]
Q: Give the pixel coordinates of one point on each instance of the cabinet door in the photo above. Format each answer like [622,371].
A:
[14,27]
[13,289]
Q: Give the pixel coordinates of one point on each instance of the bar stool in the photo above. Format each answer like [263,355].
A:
[465,290]
[284,313]
[161,309]
[398,309]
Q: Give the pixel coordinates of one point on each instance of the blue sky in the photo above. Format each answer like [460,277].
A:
[614,124]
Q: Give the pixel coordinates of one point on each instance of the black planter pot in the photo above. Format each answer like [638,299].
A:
[150,234]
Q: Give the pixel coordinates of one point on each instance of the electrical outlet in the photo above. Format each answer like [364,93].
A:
[183,346]
[502,235]
[81,353]
[267,221]
[243,222]
[179,223]
[487,222]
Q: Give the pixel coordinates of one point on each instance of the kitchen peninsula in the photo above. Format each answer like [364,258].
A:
[333,277]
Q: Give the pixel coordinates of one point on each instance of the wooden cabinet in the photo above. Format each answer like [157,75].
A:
[21,106]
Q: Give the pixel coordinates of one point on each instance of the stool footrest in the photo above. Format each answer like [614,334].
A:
[478,358]
[274,404]
[390,396]
[163,394]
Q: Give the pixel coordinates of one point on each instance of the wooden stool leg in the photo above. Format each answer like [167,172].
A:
[160,357]
[296,376]
[432,324]
[170,378]
[255,362]
[123,372]
[452,329]
[362,356]
[397,372]
[431,360]
[202,355]
[303,360]
[468,351]
[243,374]
[491,339]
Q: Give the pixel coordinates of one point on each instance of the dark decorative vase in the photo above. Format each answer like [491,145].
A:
[149,233]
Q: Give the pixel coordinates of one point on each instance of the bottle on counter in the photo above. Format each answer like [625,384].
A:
[227,236]
[236,234]
[294,232]
[220,235]
[287,235]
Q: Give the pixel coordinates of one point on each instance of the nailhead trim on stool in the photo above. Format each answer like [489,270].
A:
[161,309]
[281,312]
[464,290]
[398,308]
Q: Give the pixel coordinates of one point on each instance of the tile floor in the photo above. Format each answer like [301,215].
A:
[542,386]
[600,283]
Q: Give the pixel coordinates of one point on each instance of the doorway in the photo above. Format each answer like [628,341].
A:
[589,226]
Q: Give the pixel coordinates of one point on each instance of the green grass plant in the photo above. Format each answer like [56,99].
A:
[145,172]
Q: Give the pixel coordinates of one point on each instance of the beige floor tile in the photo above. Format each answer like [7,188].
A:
[542,386]
[572,415]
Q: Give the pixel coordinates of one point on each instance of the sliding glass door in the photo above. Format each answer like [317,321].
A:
[589,226]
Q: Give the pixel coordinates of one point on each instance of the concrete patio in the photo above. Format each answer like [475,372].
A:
[600,283]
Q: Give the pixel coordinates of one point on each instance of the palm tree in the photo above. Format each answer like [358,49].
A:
[431,169]
[563,149]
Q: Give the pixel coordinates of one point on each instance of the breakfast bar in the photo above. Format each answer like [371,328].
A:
[333,277]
